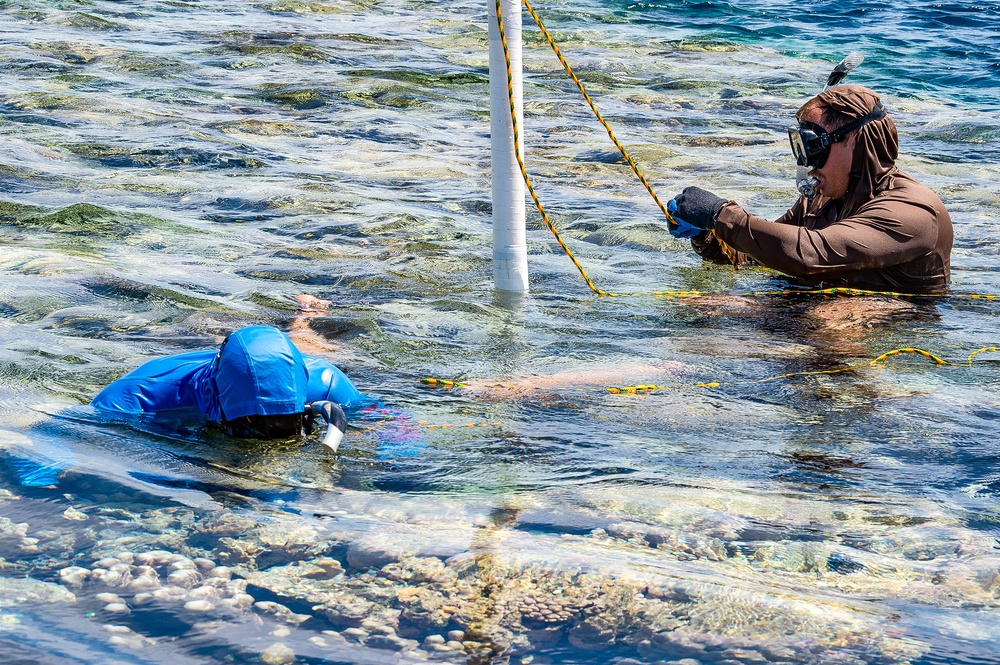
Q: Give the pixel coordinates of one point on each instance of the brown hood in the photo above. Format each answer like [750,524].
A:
[876,148]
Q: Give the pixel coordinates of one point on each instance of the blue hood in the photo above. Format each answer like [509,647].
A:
[258,371]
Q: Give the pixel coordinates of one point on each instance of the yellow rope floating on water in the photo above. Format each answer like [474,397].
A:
[647,388]
[442,382]
[835,291]
[426,425]
[847,291]
[937,360]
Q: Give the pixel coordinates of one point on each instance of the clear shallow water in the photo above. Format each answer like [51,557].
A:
[172,171]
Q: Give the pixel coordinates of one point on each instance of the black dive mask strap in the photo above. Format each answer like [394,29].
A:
[214,374]
[811,143]
[877,113]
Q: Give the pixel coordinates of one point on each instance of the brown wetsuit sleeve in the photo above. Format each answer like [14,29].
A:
[886,231]
[710,249]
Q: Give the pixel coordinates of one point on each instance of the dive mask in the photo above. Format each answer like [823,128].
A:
[811,143]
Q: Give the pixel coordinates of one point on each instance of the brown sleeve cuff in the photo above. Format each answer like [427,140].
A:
[710,248]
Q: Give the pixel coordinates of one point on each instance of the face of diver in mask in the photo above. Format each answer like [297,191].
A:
[812,145]
[293,424]
[833,178]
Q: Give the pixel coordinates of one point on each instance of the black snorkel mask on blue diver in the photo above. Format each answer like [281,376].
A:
[294,424]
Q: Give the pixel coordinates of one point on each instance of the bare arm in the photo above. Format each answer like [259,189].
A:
[305,338]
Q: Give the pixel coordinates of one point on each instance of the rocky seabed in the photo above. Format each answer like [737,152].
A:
[385,582]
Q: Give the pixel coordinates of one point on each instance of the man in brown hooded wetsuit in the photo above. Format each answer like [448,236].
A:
[870,227]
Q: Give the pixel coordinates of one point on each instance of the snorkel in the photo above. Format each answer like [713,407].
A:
[335,419]
[807,185]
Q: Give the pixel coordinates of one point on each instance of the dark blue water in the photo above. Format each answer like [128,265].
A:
[946,50]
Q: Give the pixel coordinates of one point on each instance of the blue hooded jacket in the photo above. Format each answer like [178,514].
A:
[256,371]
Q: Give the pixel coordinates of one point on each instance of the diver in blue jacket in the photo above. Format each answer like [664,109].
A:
[257,385]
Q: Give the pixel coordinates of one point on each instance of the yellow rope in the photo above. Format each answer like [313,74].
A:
[837,291]
[730,254]
[442,382]
[520,160]
[847,291]
[985,349]
[531,189]
[791,375]
[646,388]
[600,118]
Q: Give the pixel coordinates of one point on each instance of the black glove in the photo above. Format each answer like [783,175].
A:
[694,207]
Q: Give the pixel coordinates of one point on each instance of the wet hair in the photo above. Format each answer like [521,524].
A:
[268,427]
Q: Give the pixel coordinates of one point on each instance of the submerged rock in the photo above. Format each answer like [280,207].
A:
[74,576]
[92,22]
[278,654]
[127,156]
[297,98]
[199,606]
[80,219]
[379,549]
[339,603]
[300,7]
[14,592]
[9,529]
[75,52]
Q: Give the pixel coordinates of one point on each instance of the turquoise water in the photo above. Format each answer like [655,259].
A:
[174,170]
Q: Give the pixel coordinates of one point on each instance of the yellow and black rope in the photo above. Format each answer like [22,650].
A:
[520,160]
[600,118]
[730,254]
[444,383]
[647,388]
[937,360]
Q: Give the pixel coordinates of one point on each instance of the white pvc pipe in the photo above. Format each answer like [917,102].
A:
[510,249]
